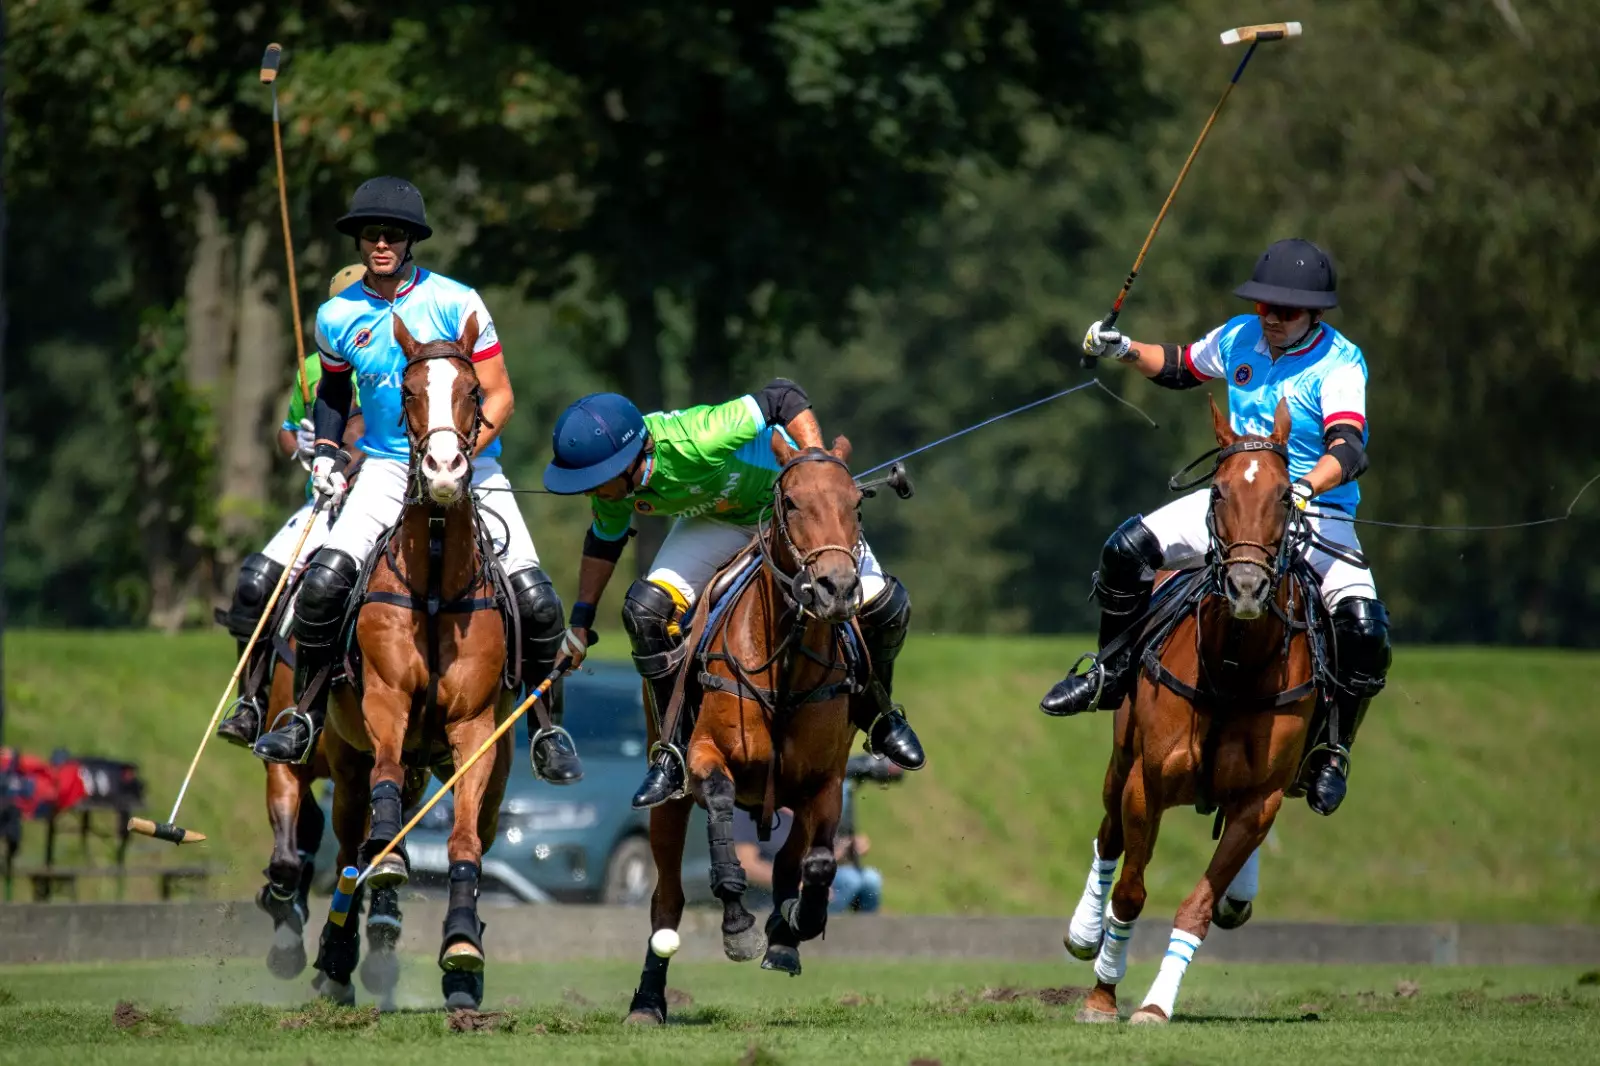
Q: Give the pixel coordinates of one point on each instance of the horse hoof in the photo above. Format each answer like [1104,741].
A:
[1082,952]
[782,958]
[646,1016]
[462,991]
[286,958]
[1231,914]
[1090,1016]
[1149,1016]
[647,1008]
[342,994]
[391,873]
[742,947]
[461,957]
[380,972]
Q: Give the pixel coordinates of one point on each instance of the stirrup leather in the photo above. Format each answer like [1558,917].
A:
[311,729]
[661,747]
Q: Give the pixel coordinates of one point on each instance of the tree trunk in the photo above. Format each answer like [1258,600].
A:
[258,386]
[209,302]
[166,470]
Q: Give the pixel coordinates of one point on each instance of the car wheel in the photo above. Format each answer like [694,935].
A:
[630,873]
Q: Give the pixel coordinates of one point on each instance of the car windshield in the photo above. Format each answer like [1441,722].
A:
[604,711]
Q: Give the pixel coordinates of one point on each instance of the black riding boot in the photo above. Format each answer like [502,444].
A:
[650,614]
[884,622]
[319,616]
[1361,649]
[553,754]
[258,576]
[1127,573]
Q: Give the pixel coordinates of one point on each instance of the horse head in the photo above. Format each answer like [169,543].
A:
[816,530]
[1249,512]
[443,409]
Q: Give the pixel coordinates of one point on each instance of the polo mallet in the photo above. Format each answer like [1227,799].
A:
[351,878]
[1271,31]
[897,479]
[269,76]
[169,830]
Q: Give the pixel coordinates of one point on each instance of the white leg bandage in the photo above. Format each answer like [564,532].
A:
[1112,965]
[1180,953]
[1088,920]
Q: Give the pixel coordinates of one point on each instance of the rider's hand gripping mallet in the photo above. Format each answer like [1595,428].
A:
[1271,31]
[351,879]
[269,76]
[169,830]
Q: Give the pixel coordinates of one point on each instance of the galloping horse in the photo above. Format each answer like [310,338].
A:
[433,656]
[782,659]
[1227,690]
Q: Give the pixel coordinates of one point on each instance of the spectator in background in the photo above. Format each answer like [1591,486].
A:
[854,886]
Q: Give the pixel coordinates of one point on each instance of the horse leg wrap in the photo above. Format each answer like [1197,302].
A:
[385,812]
[339,947]
[461,922]
[383,918]
[651,995]
[810,917]
[727,875]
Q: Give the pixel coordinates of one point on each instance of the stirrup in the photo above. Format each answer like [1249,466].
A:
[554,730]
[661,747]
[311,729]
[1337,754]
[866,736]
[1093,657]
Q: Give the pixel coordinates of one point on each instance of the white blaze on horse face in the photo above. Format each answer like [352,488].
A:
[443,447]
[1250,473]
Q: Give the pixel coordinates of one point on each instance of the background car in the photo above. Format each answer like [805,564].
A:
[580,843]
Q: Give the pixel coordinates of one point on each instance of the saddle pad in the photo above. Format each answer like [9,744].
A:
[746,570]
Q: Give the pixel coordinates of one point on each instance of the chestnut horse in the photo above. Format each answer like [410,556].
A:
[774,728]
[433,650]
[1219,718]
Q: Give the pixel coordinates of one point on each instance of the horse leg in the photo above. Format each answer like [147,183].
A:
[387,712]
[742,940]
[1087,929]
[461,949]
[339,947]
[1141,819]
[1247,824]
[669,825]
[801,876]
[280,896]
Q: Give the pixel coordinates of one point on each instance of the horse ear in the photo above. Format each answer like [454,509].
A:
[469,334]
[781,450]
[1281,423]
[402,336]
[841,449]
[1219,423]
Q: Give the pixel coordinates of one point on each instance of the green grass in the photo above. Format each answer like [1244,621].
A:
[951,1013]
[1473,795]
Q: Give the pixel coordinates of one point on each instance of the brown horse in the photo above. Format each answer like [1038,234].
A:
[433,654]
[774,728]
[1219,718]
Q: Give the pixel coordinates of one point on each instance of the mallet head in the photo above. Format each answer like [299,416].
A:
[172,834]
[1267,31]
[269,63]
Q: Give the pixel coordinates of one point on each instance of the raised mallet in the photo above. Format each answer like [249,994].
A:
[1271,31]
[269,76]
[169,830]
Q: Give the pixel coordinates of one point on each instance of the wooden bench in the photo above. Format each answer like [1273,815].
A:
[48,882]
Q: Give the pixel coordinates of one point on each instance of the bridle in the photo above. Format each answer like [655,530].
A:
[798,588]
[467,442]
[1221,554]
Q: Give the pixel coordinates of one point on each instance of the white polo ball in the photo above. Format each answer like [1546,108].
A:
[664,942]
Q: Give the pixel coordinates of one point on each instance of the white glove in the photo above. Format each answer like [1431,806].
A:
[327,481]
[305,443]
[575,645]
[1300,493]
[1108,344]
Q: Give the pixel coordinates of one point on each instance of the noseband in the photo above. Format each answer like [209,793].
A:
[799,588]
[1222,554]
[467,442]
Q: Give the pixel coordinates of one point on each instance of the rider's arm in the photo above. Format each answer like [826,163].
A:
[332,411]
[1182,366]
[1344,420]
[498,402]
[288,443]
[603,544]
[783,403]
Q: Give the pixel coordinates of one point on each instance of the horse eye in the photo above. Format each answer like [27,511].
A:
[789,506]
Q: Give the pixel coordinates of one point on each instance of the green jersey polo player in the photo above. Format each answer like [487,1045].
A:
[712,469]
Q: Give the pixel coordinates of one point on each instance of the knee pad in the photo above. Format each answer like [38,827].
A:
[1128,565]
[258,576]
[885,620]
[539,609]
[650,614]
[1361,642]
[324,597]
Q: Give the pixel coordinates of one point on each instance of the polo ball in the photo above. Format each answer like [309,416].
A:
[664,942]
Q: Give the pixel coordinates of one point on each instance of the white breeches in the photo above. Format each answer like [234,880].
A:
[697,548]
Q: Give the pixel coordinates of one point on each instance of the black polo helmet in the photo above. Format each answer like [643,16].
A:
[393,200]
[1293,273]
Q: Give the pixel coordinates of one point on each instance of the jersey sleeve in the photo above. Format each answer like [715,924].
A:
[612,518]
[327,348]
[1204,358]
[488,345]
[1344,395]
[716,432]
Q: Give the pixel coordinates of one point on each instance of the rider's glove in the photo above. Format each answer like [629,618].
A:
[580,633]
[1108,344]
[1300,493]
[325,479]
[305,443]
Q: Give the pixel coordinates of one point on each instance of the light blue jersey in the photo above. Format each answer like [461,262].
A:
[354,330]
[1324,378]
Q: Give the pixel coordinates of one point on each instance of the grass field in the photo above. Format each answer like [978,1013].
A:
[1473,796]
[181,1013]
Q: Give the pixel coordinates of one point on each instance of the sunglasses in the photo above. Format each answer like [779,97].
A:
[1283,314]
[385,234]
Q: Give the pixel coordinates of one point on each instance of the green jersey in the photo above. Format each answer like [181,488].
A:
[713,462]
[297,403]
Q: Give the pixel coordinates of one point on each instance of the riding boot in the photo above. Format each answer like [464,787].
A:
[551,751]
[1362,653]
[650,613]
[884,623]
[258,576]
[1122,585]
[319,617]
